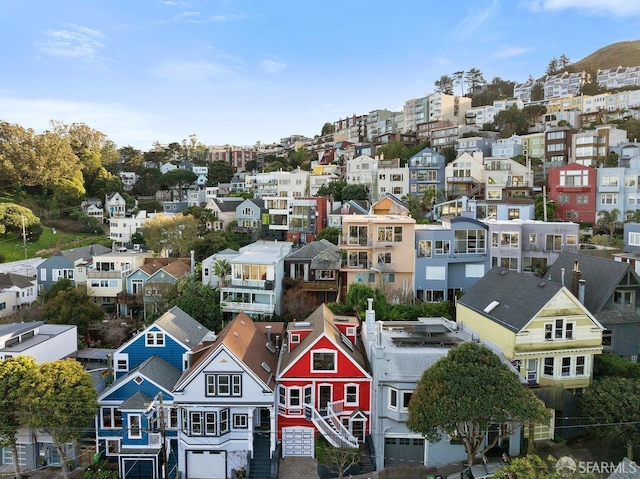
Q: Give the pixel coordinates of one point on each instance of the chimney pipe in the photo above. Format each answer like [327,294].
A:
[575,277]
[268,328]
[193,261]
[370,317]
[581,290]
[562,276]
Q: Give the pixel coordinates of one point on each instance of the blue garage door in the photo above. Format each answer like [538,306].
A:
[138,469]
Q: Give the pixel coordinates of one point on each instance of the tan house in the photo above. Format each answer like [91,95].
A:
[378,248]
[543,329]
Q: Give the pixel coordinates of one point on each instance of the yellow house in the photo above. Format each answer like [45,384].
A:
[541,327]
[378,248]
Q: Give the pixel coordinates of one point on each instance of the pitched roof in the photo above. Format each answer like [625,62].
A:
[136,402]
[520,297]
[322,323]
[246,340]
[228,204]
[151,265]
[84,252]
[313,250]
[182,327]
[8,280]
[601,276]
[155,369]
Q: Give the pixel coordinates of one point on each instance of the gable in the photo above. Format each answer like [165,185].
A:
[126,389]
[346,366]
[138,350]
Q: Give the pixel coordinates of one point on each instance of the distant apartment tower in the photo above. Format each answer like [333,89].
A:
[415,112]
[522,91]
[448,107]
[618,77]
[563,84]
[353,127]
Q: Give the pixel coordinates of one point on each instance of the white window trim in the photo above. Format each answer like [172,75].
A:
[401,399]
[154,342]
[130,429]
[106,446]
[391,405]
[121,357]
[357,386]
[325,351]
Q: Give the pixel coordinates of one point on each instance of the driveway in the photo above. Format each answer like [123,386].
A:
[298,468]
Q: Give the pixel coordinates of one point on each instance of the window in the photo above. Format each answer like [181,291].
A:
[224,384]
[509,263]
[210,423]
[154,338]
[351,394]
[384,258]
[533,238]
[580,365]
[240,421]
[294,397]
[282,395]
[582,199]
[607,337]
[134,426]
[553,243]
[195,419]
[609,180]
[548,367]
[559,329]
[112,447]
[424,248]
[323,361]
[532,370]
[469,241]
[224,421]
[390,234]
[111,418]
[442,247]
[121,362]
[566,367]
[295,338]
[514,213]
[609,198]
[474,270]
[509,240]
[307,394]
[393,399]
[436,272]
[634,239]
[388,277]
[572,240]
[406,397]
[624,298]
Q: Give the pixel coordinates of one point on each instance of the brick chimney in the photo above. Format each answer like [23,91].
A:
[575,279]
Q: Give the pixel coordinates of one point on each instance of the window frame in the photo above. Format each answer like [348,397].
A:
[355,394]
[313,364]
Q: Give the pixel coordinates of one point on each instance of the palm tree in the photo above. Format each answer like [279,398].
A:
[609,219]
[222,269]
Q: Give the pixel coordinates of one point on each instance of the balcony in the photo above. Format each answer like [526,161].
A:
[238,307]
[266,285]
[300,284]
[460,179]
[127,298]
[356,265]
[95,274]
[355,241]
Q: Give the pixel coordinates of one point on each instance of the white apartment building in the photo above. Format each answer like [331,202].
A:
[122,229]
[563,84]
[618,77]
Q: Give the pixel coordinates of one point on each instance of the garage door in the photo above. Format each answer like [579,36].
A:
[403,450]
[206,465]
[297,441]
[137,469]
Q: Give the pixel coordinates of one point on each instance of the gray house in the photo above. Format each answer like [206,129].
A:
[610,290]
[450,258]
[68,264]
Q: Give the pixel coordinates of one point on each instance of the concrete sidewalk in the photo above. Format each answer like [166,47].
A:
[298,468]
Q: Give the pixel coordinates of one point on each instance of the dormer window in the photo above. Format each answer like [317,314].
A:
[155,338]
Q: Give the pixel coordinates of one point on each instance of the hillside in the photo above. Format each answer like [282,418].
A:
[625,54]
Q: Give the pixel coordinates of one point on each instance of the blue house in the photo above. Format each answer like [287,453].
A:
[137,424]
[171,337]
[426,170]
[450,258]
[68,264]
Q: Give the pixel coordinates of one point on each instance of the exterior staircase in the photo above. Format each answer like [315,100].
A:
[331,428]
[260,465]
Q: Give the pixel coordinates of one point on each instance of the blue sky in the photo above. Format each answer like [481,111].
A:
[241,71]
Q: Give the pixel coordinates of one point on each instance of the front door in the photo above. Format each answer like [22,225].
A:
[324,397]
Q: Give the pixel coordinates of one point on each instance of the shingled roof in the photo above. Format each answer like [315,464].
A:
[601,276]
[182,327]
[520,297]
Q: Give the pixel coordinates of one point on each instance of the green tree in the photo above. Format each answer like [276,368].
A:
[395,149]
[147,182]
[475,80]
[199,301]
[330,234]
[355,192]
[511,121]
[613,404]
[104,184]
[357,300]
[609,220]
[219,172]
[552,206]
[130,157]
[444,85]
[222,268]
[13,217]
[275,165]
[62,402]
[72,306]
[534,467]
[537,91]
[612,160]
[552,67]
[458,79]
[178,177]
[464,393]
[17,376]
[174,234]
[612,365]
[449,153]
[327,129]
[337,459]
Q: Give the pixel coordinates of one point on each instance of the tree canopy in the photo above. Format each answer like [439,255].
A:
[176,235]
[613,404]
[62,402]
[343,191]
[464,393]
[13,217]
[219,172]
[66,304]
[198,300]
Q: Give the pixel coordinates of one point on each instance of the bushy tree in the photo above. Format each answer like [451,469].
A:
[464,393]
[199,301]
[330,234]
[175,234]
[357,300]
[62,403]
[219,172]
[72,306]
[444,85]
[534,467]
[13,217]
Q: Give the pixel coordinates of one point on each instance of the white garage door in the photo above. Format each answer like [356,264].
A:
[297,441]
[206,465]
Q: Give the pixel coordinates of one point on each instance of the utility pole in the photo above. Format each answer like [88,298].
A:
[24,238]
[163,438]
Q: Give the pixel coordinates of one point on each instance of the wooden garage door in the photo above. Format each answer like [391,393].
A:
[297,441]
[206,465]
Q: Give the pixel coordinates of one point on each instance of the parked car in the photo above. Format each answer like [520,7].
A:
[478,471]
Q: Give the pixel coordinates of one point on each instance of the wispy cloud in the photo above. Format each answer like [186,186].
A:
[271,66]
[508,52]
[189,14]
[194,71]
[75,42]
[120,123]
[475,18]
[591,7]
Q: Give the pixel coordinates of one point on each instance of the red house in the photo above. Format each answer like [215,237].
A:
[573,188]
[324,384]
